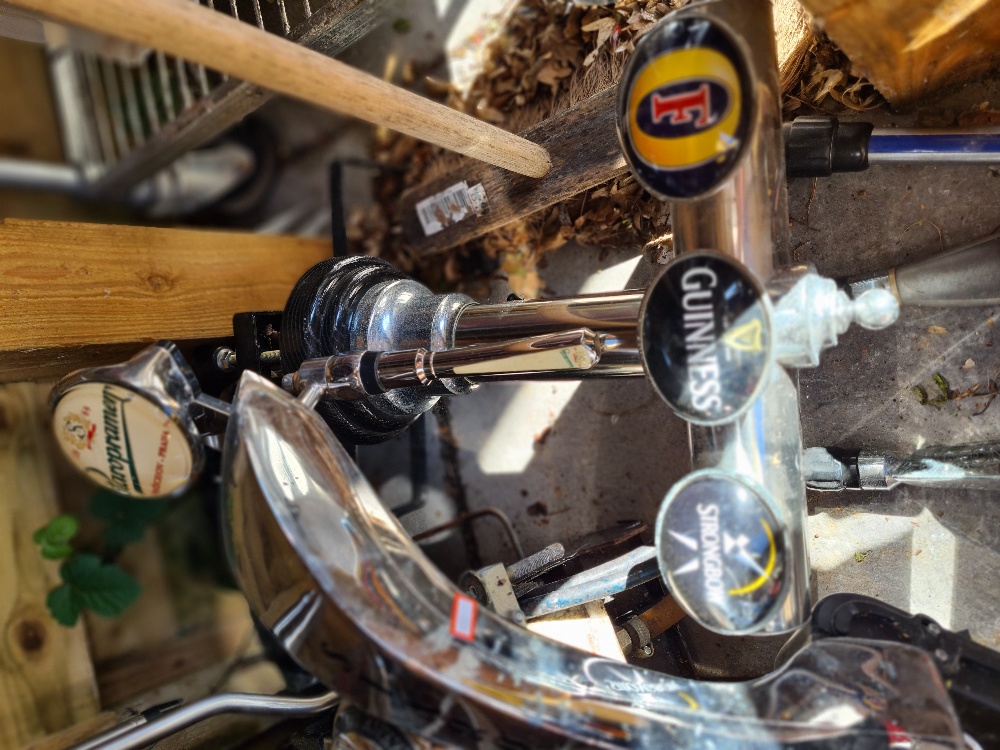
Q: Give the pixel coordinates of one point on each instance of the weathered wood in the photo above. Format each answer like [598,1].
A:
[583,145]
[46,678]
[122,678]
[76,294]
[909,49]
[75,734]
[582,142]
[244,51]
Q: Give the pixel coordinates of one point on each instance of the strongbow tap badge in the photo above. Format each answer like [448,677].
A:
[721,551]
[684,108]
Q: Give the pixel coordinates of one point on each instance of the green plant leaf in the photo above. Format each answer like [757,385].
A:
[56,551]
[127,517]
[102,588]
[62,606]
[54,537]
[57,531]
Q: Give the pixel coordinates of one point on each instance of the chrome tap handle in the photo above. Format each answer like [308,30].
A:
[362,374]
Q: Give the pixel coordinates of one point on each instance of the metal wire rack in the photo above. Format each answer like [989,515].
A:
[131,120]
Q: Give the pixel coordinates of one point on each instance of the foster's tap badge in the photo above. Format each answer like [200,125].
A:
[684,108]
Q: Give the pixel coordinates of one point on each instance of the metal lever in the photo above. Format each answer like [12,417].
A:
[967,276]
[355,376]
[975,466]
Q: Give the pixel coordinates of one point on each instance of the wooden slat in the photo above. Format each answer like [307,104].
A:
[583,145]
[46,678]
[75,734]
[909,49]
[74,291]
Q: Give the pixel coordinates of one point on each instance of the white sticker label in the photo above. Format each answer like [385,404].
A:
[122,441]
[451,206]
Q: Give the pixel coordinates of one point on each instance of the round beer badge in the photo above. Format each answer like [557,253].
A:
[721,551]
[684,108]
[705,337]
[122,440]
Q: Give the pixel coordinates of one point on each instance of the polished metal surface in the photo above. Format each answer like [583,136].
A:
[616,312]
[568,352]
[746,217]
[351,377]
[333,575]
[148,733]
[961,467]
[930,146]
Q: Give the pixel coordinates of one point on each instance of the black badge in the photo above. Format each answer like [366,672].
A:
[721,551]
[684,107]
[705,337]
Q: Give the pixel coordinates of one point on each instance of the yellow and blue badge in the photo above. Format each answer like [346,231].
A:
[684,108]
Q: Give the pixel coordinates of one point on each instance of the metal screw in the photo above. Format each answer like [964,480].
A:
[518,617]
[940,654]
[933,628]
[647,650]
[225,359]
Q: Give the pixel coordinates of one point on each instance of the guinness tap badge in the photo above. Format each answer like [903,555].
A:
[684,107]
[721,551]
[705,337]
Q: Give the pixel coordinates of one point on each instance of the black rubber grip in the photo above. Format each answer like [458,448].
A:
[818,146]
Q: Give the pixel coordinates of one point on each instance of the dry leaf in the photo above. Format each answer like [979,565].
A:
[940,330]
[969,364]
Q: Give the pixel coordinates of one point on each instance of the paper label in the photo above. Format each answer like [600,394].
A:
[451,206]
[122,441]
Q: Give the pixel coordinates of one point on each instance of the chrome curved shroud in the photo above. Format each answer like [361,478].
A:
[354,600]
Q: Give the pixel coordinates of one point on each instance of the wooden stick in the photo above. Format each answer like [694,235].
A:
[201,35]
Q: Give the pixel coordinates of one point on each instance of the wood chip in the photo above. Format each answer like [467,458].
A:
[940,330]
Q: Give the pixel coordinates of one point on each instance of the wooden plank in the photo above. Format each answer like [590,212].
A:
[583,146]
[582,142]
[46,678]
[76,290]
[244,51]
[75,734]
[909,49]
[125,676]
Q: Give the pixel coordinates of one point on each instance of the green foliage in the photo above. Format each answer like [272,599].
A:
[54,537]
[88,583]
[127,517]
[401,26]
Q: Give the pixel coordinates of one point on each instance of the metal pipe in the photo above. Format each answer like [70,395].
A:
[227,703]
[23,174]
[615,312]
[920,146]
[747,218]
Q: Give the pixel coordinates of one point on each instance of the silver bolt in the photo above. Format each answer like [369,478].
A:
[518,617]
[225,359]
[933,628]
[940,654]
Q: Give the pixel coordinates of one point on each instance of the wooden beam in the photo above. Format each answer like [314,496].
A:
[909,49]
[73,295]
[46,678]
